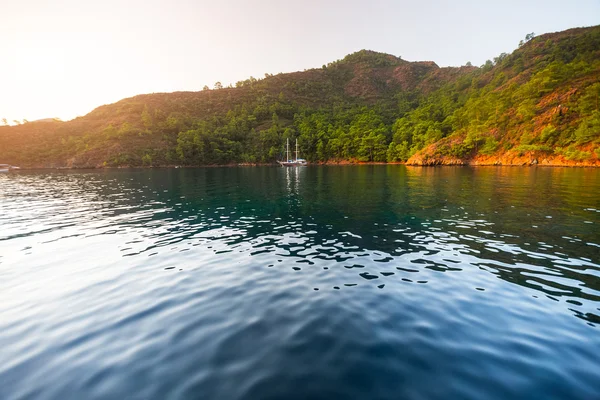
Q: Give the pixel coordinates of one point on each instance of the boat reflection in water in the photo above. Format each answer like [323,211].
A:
[292,180]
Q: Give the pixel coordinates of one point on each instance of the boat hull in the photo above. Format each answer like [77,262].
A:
[291,164]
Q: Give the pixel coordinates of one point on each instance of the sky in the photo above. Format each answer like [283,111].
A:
[63,58]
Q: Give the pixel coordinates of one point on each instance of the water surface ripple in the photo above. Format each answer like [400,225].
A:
[378,282]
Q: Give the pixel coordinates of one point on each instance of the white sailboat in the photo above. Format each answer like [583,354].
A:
[7,167]
[298,162]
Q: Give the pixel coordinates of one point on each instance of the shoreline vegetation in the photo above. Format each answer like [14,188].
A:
[539,105]
[429,164]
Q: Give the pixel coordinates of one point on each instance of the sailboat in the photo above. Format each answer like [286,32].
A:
[7,167]
[298,162]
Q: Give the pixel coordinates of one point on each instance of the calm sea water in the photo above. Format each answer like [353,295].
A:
[370,282]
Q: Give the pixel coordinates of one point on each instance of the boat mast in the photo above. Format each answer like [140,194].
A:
[296,149]
[287,152]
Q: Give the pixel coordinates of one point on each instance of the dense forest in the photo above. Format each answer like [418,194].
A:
[539,104]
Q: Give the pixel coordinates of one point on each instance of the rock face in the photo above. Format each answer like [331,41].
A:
[549,160]
[427,160]
[508,158]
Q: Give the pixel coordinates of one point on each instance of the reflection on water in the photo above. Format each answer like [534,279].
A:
[316,282]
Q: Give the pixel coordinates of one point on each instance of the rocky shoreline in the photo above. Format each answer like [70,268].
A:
[506,159]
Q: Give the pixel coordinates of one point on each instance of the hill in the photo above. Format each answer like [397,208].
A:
[536,105]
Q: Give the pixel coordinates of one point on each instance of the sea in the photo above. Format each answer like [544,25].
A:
[317,282]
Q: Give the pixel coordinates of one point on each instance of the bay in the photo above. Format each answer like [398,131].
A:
[354,282]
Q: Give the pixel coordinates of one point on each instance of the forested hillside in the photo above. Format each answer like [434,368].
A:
[539,104]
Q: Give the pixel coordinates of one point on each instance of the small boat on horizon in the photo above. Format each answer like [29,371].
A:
[7,167]
[298,162]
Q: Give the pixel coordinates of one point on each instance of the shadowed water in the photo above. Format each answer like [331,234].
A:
[378,282]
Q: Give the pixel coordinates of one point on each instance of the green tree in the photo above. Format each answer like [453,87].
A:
[589,129]
[146,118]
[398,151]
[147,159]
[373,147]
[590,100]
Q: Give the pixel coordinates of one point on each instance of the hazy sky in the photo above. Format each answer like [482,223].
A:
[63,58]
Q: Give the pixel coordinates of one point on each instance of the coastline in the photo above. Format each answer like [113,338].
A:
[428,163]
[507,159]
